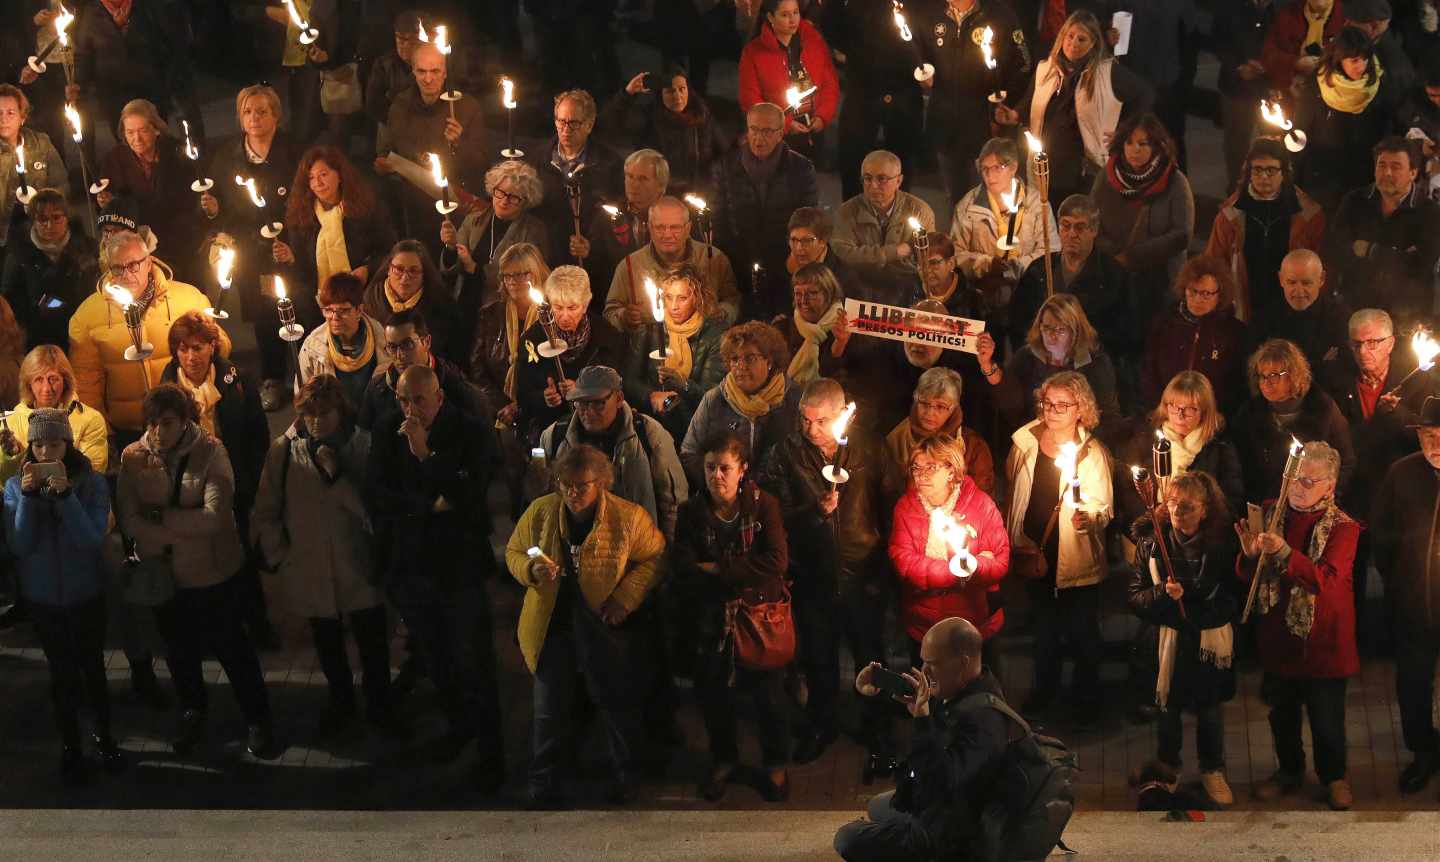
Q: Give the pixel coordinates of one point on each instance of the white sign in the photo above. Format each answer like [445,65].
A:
[916,327]
[1121,22]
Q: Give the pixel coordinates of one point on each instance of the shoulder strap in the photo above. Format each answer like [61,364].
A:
[986,700]
[643,436]
[179,476]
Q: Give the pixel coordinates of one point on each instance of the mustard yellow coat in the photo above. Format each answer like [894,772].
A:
[620,560]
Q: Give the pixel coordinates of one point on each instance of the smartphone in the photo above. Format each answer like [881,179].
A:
[1256,518]
[647,83]
[891,682]
[538,454]
[43,470]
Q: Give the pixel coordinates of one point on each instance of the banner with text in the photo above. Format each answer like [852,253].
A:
[916,327]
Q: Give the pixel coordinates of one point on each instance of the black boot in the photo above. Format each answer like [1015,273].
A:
[73,772]
[262,744]
[1418,773]
[146,687]
[111,757]
[190,733]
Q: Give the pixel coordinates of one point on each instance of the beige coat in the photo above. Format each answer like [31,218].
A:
[859,242]
[628,284]
[315,352]
[1082,555]
[976,232]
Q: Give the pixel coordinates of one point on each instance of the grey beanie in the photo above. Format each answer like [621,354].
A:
[48,423]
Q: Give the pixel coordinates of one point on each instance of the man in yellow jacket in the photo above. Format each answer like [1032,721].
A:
[99,336]
[588,560]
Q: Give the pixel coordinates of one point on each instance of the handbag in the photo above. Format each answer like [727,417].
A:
[340,90]
[1029,562]
[762,633]
[150,581]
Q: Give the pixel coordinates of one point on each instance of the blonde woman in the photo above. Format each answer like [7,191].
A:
[1058,542]
[47,381]
[471,255]
[502,321]
[693,364]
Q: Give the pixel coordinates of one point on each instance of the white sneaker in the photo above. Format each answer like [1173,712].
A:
[1217,787]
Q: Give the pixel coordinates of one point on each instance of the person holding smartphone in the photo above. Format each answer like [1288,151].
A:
[56,513]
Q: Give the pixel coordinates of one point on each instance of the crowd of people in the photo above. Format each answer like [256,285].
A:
[641,332]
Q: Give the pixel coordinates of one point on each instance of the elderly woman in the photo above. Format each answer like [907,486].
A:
[1284,406]
[541,386]
[1060,502]
[496,353]
[514,189]
[1147,210]
[99,336]
[349,344]
[48,271]
[941,279]
[1199,332]
[754,399]
[43,166]
[47,381]
[730,546]
[598,559]
[229,406]
[1193,610]
[1060,338]
[982,222]
[935,411]
[787,51]
[693,364]
[677,122]
[311,525]
[1345,107]
[149,167]
[406,279]
[1305,624]
[175,501]
[1076,98]
[815,333]
[934,584]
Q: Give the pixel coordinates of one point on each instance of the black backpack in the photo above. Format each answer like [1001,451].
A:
[1033,796]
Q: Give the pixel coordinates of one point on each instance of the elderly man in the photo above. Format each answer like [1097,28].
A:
[757,186]
[1079,267]
[1385,237]
[578,172]
[627,306]
[1315,318]
[407,342]
[647,468]
[962,729]
[429,472]
[1248,233]
[873,233]
[839,563]
[1404,526]
[609,238]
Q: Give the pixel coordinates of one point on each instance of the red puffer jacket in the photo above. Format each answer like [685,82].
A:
[765,76]
[928,592]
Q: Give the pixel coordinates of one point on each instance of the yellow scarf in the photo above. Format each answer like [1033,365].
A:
[1002,216]
[752,407]
[295,53]
[345,363]
[330,254]
[1315,27]
[680,358]
[398,304]
[206,397]
[513,329]
[805,365]
[1344,94]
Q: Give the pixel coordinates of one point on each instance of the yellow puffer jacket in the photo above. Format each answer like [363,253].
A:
[98,338]
[620,560]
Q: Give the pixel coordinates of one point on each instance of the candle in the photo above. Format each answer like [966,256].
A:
[224,270]
[202,184]
[63,20]
[612,211]
[25,193]
[537,554]
[957,537]
[249,183]
[833,472]
[657,311]
[507,101]
[1011,202]
[1426,349]
[987,38]
[77,135]
[444,206]
[1273,114]
[1068,463]
[794,96]
[308,34]
[923,71]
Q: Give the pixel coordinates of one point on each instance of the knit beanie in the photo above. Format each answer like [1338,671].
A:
[48,423]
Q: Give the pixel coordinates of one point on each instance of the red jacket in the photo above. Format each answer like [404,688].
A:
[1283,41]
[919,573]
[765,76]
[1330,651]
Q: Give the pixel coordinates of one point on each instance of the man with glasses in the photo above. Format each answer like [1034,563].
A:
[757,186]
[873,234]
[349,344]
[99,336]
[609,238]
[407,343]
[578,172]
[627,306]
[429,474]
[1262,221]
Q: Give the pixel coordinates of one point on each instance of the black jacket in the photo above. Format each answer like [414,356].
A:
[1103,288]
[240,424]
[1237,36]
[149,59]
[241,219]
[368,240]
[380,407]
[1219,458]
[45,293]
[1322,331]
[959,107]
[1264,444]
[1396,272]
[690,142]
[1337,156]
[600,181]
[449,336]
[534,372]
[1403,525]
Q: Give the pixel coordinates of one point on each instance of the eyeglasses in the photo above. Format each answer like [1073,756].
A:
[989,170]
[337,311]
[132,268]
[805,295]
[1182,411]
[1183,509]
[763,131]
[1308,482]
[577,487]
[935,405]
[744,359]
[569,125]
[394,347]
[406,271]
[1054,331]
[937,262]
[502,196]
[514,277]
[804,241]
[52,218]
[1056,406]
[1359,344]
[925,471]
[1266,171]
[1201,294]
[878,179]
[1273,377]
[591,404]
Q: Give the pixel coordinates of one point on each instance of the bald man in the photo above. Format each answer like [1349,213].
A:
[627,305]
[1310,314]
[873,231]
[955,749]
[430,468]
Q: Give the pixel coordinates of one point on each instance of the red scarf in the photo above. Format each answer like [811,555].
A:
[119,10]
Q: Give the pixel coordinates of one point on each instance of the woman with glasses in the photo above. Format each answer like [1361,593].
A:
[671,388]
[44,168]
[496,353]
[1284,407]
[470,261]
[935,411]
[349,344]
[48,270]
[787,51]
[815,330]
[1060,503]
[1193,610]
[599,558]
[1200,332]
[942,280]
[408,279]
[1060,338]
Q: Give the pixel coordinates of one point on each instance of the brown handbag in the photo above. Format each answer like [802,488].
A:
[1029,563]
[762,633]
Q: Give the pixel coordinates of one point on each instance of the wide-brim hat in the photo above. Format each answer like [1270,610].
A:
[1429,414]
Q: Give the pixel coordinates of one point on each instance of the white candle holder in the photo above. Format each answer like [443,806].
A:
[1295,141]
[835,474]
[272,230]
[99,185]
[201,186]
[924,72]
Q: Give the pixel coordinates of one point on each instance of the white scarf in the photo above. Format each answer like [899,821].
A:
[1217,645]
[1184,449]
[936,548]
[805,366]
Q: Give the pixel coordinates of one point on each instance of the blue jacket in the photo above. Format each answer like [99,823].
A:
[57,542]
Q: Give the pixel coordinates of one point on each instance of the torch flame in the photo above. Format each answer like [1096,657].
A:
[279,288]
[62,23]
[436,174]
[842,424]
[1426,348]
[905,34]
[190,151]
[224,263]
[20,159]
[1066,462]
[536,296]
[424,36]
[794,96]
[1296,447]
[74,117]
[249,184]
[611,210]
[1135,472]
[442,39]
[914,224]
[507,94]
[956,536]
[122,297]
[1010,198]
[657,307]
[696,201]
[1037,146]
[295,16]
[985,40]
[1275,115]
[1159,436]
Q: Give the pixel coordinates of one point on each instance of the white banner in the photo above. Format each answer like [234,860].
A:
[917,327]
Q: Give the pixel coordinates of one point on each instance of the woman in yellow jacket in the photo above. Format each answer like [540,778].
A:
[99,336]
[588,560]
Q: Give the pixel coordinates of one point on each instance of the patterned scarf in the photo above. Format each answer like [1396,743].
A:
[805,365]
[347,363]
[679,356]
[1300,612]
[206,397]
[1136,186]
[752,407]
[578,338]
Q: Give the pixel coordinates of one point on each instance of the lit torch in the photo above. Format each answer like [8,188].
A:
[62,22]
[833,472]
[554,344]
[308,34]
[1277,517]
[1040,170]
[139,349]
[957,536]
[445,206]
[919,240]
[1426,349]
[923,71]
[657,311]
[1011,202]
[1274,115]
[442,44]
[987,39]
[224,272]
[1145,487]
[202,184]
[26,192]
[507,101]
[72,116]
